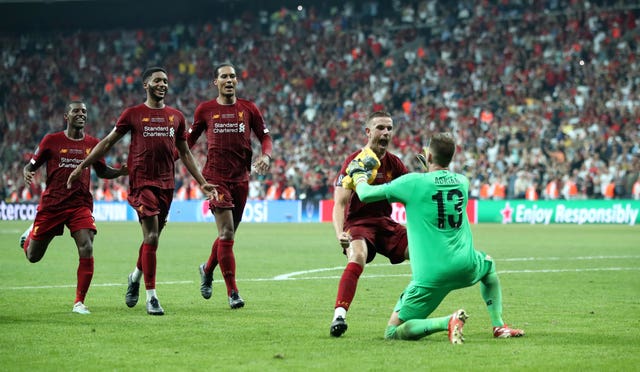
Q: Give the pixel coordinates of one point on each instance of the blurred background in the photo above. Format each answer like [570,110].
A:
[543,96]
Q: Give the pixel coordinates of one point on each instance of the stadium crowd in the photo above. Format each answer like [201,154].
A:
[543,96]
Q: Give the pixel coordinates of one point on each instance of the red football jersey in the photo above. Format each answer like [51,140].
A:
[62,155]
[154,133]
[391,167]
[228,131]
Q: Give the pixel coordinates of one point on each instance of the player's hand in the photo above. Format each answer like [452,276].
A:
[28,177]
[209,191]
[124,170]
[345,239]
[74,176]
[262,164]
[423,158]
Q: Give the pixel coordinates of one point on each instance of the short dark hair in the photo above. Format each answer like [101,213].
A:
[442,147]
[224,64]
[73,102]
[149,71]
[377,114]
[69,108]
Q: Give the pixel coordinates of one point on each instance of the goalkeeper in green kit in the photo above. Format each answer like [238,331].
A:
[441,248]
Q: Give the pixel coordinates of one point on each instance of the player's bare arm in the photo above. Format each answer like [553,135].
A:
[341,198]
[189,162]
[98,152]
[108,172]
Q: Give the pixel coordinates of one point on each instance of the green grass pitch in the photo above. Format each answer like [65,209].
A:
[574,289]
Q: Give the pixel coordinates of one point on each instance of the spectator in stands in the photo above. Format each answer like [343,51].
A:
[635,191]
[289,192]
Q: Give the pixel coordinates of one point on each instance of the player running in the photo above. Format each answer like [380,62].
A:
[60,206]
[157,131]
[228,122]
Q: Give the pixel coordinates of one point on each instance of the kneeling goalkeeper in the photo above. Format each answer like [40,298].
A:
[443,257]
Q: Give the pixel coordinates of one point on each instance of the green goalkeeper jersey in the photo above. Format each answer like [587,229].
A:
[441,248]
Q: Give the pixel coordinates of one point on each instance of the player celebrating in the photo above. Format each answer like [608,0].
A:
[443,257]
[228,122]
[366,229]
[60,206]
[156,131]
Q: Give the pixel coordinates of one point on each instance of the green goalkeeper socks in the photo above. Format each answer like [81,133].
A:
[492,294]
[415,329]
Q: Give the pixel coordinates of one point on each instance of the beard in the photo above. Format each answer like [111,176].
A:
[154,96]
[227,94]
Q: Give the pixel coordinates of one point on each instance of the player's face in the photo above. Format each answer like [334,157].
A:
[76,116]
[157,86]
[379,132]
[226,81]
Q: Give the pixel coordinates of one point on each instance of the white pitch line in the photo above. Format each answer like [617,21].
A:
[289,276]
[565,258]
[568,270]
[92,285]
[499,272]
[292,275]
[295,273]
[371,276]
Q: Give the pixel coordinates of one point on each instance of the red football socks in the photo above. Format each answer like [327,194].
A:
[348,284]
[212,262]
[84,274]
[149,265]
[227,264]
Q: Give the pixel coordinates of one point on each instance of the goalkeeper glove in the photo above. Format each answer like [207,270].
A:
[365,165]
[369,160]
[349,183]
[357,170]
[423,158]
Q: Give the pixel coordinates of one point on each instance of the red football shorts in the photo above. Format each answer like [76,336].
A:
[151,201]
[383,235]
[231,195]
[52,223]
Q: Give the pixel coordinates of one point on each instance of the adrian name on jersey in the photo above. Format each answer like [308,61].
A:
[446,180]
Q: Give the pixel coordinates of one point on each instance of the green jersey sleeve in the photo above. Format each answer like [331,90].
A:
[398,190]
